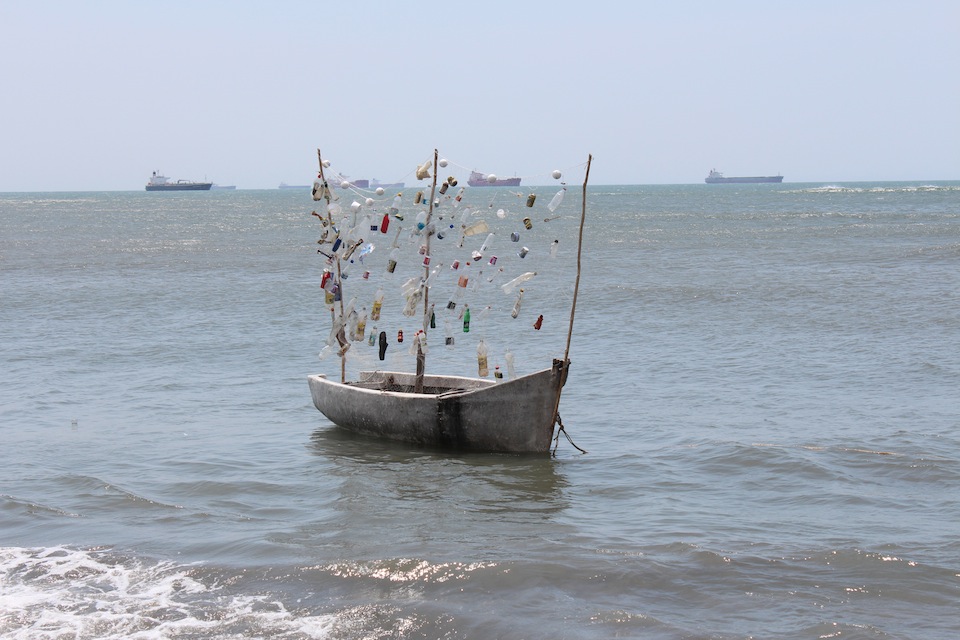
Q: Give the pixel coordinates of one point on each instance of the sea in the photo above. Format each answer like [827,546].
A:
[761,424]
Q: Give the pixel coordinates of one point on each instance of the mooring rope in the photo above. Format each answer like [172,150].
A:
[556,439]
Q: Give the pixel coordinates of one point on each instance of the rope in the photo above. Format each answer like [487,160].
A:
[556,439]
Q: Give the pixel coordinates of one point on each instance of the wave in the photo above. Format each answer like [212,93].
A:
[90,593]
[838,188]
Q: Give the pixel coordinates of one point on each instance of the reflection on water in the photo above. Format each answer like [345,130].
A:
[397,477]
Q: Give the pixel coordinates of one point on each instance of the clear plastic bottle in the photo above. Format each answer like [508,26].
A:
[516,305]
[553,248]
[448,333]
[423,342]
[556,200]
[392,260]
[511,371]
[482,359]
[523,277]
[395,207]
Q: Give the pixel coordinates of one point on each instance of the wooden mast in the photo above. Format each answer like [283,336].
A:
[341,335]
[421,356]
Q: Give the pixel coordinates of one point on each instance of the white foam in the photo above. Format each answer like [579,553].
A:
[60,592]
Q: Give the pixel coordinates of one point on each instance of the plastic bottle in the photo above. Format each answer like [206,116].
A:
[482,359]
[556,200]
[433,275]
[480,226]
[466,318]
[392,261]
[377,304]
[395,207]
[523,277]
[538,323]
[497,374]
[553,248]
[362,324]
[486,244]
[448,332]
[383,344]
[353,320]
[385,223]
[373,336]
[423,342]
[516,305]
[531,199]
[511,371]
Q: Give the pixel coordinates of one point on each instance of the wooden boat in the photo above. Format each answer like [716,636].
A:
[518,415]
[453,412]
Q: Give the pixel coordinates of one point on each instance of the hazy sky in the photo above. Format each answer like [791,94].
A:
[96,95]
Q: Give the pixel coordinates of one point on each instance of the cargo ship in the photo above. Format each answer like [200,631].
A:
[376,184]
[162,183]
[478,179]
[715,177]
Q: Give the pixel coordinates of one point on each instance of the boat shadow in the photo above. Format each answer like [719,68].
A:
[487,482]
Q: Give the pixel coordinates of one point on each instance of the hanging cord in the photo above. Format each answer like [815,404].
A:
[556,439]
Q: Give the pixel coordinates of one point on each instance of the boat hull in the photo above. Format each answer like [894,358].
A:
[744,180]
[479,180]
[516,416]
[184,186]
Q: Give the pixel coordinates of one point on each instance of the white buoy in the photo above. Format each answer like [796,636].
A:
[491,178]
[379,191]
[556,174]
[443,162]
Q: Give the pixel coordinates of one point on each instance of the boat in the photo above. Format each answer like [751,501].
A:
[715,177]
[478,179]
[284,185]
[225,187]
[160,182]
[376,184]
[514,414]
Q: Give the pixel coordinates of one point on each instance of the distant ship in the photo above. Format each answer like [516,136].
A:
[715,177]
[477,179]
[162,183]
[374,184]
[224,186]
[284,185]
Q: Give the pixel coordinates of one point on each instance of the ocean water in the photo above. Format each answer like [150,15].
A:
[765,379]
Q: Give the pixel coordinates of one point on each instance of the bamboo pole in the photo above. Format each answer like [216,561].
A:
[576,287]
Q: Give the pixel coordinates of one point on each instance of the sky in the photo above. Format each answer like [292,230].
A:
[98,94]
